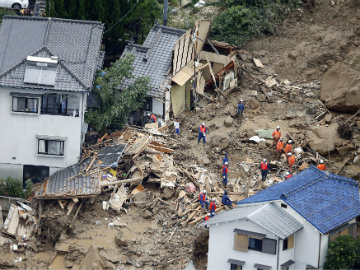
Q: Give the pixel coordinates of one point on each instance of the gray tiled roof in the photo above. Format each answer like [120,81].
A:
[269,216]
[75,43]
[63,184]
[154,57]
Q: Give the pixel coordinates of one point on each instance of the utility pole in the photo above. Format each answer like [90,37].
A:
[166,7]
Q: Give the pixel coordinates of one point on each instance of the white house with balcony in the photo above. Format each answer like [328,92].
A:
[286,226]
[47,68]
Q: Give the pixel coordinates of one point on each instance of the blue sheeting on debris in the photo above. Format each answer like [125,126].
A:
[325,200]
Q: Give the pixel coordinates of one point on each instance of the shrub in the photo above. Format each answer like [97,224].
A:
[28,188]
[13,187]
[343,253]
[243,20]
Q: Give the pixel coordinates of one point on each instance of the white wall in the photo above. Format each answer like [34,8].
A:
[18,141]
[221,246]
[306,242]
[157,107]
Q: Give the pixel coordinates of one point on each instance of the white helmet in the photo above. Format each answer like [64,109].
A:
[226,163]
[264,160]
[204,191]
[203,123]
[290,141]
[209,214]
[289,154]
[287,173]
[241,100]
[278,127]
[281,139]
[213,199]
[321,161]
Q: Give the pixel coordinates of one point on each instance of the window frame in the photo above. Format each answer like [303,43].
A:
[46,153]
[255,240]
[26,102]
[234,266]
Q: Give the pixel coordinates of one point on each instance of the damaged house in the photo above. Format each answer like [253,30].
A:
[47,68]
[286,226]
[182,66]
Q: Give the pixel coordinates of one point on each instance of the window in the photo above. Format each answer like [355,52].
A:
[35,173]
[241,242]
[255,244]
[59,104]
[234,266]
[25,104]
[283,205]
[288,242]
[51,147]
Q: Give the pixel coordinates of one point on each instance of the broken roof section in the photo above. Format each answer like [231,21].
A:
[68,183]
[75,43]
[153,58]
[79,181]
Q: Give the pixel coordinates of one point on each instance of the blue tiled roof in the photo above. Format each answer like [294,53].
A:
[325,200]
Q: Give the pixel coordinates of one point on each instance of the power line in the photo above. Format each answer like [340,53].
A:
[114,25]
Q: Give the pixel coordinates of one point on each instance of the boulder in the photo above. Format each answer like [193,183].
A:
[324,139]
[92,260]
[340,88]
[120,241]
[109,266]
[228,122]
[140,199]
[253,104]
[344,151]
[147,214]
[328,118]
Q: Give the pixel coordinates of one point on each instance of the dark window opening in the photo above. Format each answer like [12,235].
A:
[57,104]
[234,266]
[283,205]
[25,104]
[285,244]
[255,244]
[35,173]
[51,147]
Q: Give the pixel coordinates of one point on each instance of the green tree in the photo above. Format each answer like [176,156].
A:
[343,253]
[116,103]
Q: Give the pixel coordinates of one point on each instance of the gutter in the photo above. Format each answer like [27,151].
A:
[319,250]
[278,254]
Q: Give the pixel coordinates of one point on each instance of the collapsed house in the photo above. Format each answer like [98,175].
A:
[182,66]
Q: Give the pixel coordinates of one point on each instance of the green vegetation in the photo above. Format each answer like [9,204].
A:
[116,105]
[243,20]
[4,12]
[136,23]
[343,253]
[13,187]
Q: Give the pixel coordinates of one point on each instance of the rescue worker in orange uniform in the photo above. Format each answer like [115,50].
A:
[287,148]
[291,161]
[321,165]
[276,136]
[153,118]
[287,175]
[264,168]
[279,147]
[208,216]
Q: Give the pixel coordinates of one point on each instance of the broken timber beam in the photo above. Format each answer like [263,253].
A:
[352,116]
[323,105]
[138,166]
[343,165]
[161,149]
[191,178]
[125,181]
[76,213]
[202,217]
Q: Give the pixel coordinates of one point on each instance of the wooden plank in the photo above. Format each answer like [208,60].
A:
[202,217]
[76,213]
[91,163]
[71,207]
[191,178]
[138,166]
[103,137]
[61,205]
[162,149]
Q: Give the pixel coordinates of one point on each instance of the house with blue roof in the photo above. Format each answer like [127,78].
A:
[286,226]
